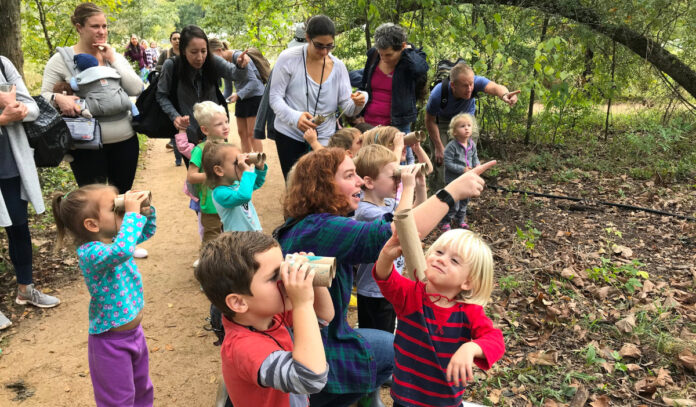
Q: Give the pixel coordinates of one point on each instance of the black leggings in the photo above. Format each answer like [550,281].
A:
[18,237]
[289,151]
[114,164]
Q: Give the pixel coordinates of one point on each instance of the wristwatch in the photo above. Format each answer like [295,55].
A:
[445,197]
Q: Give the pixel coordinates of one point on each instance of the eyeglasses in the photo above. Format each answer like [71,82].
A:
[322,46]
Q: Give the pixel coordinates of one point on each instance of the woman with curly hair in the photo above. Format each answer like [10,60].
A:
[323,191]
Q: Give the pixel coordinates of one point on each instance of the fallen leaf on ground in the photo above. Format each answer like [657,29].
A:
[629,350]
[543,358]
[494,396]
[663,377]
[601,401]
[627,324]
[688,360]
[154,349]
[678,402]
[169,347]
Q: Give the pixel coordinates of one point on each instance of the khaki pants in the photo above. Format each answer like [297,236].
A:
[436,180]
[212,226]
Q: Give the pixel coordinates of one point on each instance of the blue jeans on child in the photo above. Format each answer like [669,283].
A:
[382,345]
[119,367]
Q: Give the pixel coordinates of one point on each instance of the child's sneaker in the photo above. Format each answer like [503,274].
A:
[4,321]
[140,253]
[36,298]
[445,227]
[195,263]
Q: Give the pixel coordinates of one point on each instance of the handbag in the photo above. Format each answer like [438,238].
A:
[48,135]
[85,133]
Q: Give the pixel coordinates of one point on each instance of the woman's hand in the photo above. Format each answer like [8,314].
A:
[106,52]
[305,122]
[243,59]
[67,104]
[14,112]
[181,122]
[358,99]
[8,98]
[233,98]
[470,184]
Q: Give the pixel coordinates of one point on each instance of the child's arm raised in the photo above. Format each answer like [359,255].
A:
[385,262]
[408,180]
[260,175]
[193,176]
[421,190]
[422,156]
[229,198]
[310,137]
[323,306]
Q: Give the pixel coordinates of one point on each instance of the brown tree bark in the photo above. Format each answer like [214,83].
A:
[11,37]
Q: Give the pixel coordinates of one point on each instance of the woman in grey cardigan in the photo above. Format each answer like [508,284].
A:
[19,184]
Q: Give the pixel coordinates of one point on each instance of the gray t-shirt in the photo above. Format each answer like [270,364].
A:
[368,212]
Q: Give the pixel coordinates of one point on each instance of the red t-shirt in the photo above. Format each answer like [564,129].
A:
[243,351]
[379,110]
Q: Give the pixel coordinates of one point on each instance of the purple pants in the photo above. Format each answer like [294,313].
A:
[118,364]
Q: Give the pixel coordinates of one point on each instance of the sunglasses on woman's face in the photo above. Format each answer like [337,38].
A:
[320,46]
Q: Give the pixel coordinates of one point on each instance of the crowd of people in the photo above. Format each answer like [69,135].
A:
[286,342]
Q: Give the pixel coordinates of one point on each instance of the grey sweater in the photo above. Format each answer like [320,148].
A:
[457,158]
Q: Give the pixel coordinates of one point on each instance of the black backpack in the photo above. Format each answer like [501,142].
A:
[151,120]
[442,75]
[48,135]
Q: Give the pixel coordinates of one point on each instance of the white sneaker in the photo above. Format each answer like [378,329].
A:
[36,298]
[140,253]
[195,263]
[4,321]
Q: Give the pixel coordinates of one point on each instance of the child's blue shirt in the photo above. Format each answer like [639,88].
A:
[111,275]
[233,202]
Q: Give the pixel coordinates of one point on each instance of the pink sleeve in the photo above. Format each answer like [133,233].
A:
[183,145]
[405,295]
[485,335]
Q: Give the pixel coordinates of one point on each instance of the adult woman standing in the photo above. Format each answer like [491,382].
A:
[19,183]
[308,81]
[135,53]
[117,161]
[316,206]
[193,77]
[247,99]
[391,72]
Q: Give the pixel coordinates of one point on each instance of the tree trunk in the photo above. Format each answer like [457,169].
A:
[368,36]
[530,111]
[611,93]
[11,38]
[641,45]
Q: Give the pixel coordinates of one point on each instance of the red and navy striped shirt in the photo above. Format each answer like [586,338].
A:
[427,336]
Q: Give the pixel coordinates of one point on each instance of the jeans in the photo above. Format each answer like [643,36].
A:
[177,154]
[18,237]
[382,345]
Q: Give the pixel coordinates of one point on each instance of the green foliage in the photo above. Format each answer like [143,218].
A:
[625,276]
[591,357]
[508,283]
[528,236]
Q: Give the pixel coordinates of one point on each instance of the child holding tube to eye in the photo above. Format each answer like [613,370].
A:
[233,180]
[377,166]
[244,275]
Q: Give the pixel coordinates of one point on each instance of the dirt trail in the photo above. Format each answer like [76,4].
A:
[49,353]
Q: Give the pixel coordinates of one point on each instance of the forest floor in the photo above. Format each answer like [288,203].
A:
[597,304]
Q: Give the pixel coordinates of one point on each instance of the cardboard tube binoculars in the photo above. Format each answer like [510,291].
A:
[421,168]
[414,137]
[324,268]
[256,158]
[120,202]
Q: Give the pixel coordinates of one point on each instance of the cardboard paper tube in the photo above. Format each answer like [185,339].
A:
[256,158]
[422,169]
[414,137]
[324,268]
[410,244]
[120,202]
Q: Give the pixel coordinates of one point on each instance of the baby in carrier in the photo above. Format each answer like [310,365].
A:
[100,88]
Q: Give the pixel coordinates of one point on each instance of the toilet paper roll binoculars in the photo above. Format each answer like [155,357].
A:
[256,158]
[120,202]
[421,168]
[414,137]
[324,268]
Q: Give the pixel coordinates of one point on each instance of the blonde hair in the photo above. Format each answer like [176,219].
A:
[475,254]
[383,135]
[205,111]
[215,44]
[370,160]
[462,116]
[344,138]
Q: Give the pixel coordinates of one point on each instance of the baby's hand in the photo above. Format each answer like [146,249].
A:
[297,280]
[460,368]
[408,175]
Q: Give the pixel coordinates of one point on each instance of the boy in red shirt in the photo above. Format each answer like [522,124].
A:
[241,274]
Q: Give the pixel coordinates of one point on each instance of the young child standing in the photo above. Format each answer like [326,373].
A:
[233,181]
[376,165]
[460,157]
[443,329]
[244,275]
[117,350]
[214,123]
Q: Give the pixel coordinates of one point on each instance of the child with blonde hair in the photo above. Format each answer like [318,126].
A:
[460,157]
[233,182]
[105,240]
[393,139]
[442,330]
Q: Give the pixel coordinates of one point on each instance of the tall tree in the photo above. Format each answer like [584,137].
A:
[11,38]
